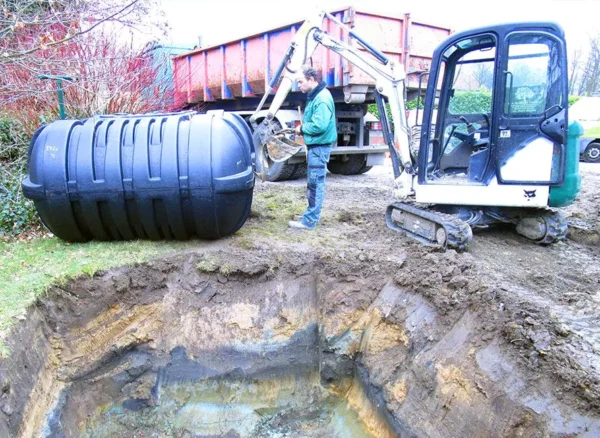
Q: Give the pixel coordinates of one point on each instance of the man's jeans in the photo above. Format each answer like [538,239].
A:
[318,157]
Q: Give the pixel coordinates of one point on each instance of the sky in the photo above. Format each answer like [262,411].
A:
[218,21]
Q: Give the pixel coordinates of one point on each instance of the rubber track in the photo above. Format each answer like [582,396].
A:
[459,233]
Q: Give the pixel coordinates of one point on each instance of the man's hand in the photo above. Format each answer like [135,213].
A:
[298,130]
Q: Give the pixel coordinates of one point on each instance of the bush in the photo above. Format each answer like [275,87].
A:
[412,104]
[14,141]
[17,213]
[573,99]
[373,110]
[476,102]
[471,102]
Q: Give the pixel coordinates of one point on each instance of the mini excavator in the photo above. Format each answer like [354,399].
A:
[494,147]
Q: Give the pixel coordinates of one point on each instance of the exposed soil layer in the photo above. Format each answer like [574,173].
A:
[352,325]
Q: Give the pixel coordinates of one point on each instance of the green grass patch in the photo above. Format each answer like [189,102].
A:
[272,210]
[209,264]
[28,269]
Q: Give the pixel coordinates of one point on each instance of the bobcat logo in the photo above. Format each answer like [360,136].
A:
[529,194]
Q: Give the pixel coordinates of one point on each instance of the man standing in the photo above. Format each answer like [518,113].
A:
[320,133]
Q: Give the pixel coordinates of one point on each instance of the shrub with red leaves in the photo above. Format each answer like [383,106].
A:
[87,40]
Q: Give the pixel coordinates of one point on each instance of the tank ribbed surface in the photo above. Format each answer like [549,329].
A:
[153,176]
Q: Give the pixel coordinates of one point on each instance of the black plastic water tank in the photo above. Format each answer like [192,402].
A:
[152,176]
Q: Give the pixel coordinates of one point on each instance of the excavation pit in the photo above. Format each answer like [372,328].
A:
[265,343]
[192,351]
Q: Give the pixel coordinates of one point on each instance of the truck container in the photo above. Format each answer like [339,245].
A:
[233,76]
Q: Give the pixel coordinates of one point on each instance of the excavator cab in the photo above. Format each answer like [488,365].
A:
[497,103]
[494,141]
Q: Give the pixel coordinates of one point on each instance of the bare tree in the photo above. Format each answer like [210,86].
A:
[83,39]
[574,69]
[483,75]
[590,76]
[29,26]
[108,75]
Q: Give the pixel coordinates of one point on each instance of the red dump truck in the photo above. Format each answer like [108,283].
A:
[234,76]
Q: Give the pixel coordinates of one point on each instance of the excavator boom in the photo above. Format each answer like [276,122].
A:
[389,83]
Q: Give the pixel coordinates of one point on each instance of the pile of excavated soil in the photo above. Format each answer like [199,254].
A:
[584,215]
[498,341]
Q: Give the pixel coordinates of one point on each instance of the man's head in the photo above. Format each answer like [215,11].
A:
[308,79]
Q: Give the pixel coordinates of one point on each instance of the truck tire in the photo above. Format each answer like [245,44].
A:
[365,169]
[299,171]
[352,166]
[592,153]
[277,171]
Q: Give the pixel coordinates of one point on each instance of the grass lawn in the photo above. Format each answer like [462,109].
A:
[29,268]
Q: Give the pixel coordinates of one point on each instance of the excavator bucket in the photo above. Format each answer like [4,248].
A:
[280,148]
[272,147]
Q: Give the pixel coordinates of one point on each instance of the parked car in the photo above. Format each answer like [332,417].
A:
[587,112]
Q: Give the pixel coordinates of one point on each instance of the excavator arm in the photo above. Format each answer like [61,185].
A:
[389,82]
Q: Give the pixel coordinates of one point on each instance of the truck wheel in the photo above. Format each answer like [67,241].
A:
[299,171]
[277,171]
[365,168]
[592,153]
[352,166]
